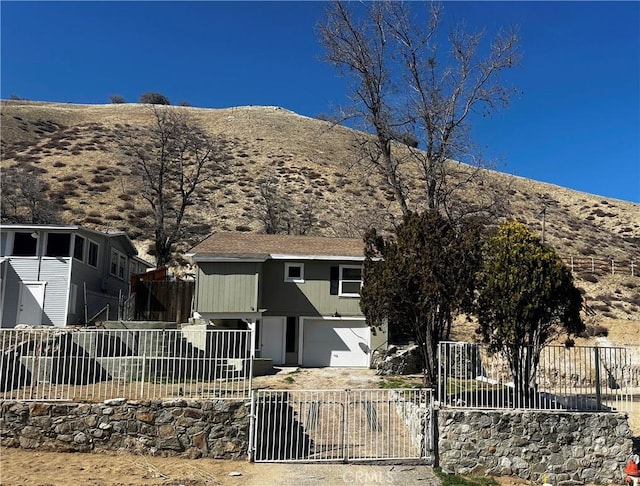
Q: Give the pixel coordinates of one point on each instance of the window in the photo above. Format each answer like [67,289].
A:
[78,248]
[24,244]
[350,281]
[294,272]
[58,245]
[118,264]
[92,254]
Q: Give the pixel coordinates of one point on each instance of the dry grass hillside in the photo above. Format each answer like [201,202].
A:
[74,148]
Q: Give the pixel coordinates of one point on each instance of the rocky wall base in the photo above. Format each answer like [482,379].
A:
[566,448]
[213,428]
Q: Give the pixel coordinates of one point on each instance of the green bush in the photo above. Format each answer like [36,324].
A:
[154,99]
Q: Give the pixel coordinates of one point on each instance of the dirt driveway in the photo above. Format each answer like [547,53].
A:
[23,467]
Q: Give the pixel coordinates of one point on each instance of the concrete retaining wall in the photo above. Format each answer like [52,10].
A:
[214,428]
[569,448]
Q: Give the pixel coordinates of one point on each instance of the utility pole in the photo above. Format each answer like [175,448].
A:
[544,217]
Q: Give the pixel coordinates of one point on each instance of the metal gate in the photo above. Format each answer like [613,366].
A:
[341,425]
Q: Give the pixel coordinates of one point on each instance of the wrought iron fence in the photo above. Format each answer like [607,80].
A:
[96,364]
[341,425]
[581,378]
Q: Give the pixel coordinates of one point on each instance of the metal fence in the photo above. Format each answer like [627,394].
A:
[580,378]
[95,364]
[341,425]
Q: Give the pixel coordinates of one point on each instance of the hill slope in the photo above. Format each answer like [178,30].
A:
[74,148]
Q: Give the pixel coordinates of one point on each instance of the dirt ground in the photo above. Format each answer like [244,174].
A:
[26,467]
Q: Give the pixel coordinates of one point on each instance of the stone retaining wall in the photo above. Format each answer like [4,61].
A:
[207,428]
[415,417]
[569,448]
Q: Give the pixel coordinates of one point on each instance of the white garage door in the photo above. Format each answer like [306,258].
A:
[335,343]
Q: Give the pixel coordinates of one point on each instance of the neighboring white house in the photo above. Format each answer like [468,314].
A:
[62,275]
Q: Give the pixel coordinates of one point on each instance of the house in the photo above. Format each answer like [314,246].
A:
[300,293]
[62,275]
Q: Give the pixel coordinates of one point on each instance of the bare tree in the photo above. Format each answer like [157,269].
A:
[24,198]
[403,83]
[170,160]
[280,214]
[361,52]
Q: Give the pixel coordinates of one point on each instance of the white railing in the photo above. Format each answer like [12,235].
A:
[95,364]
[340,425]
[578,378]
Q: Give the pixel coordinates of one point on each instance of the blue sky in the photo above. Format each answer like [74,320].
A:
[575,122]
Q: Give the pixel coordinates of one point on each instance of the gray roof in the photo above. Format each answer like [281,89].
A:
[257,246]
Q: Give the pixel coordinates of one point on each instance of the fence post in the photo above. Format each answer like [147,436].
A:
[572,264]
[252,426]
[144,363]
[345,434]
[597,367]
[613,270]
[593,267]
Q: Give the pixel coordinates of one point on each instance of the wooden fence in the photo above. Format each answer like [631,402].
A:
[163,301]
[602,266]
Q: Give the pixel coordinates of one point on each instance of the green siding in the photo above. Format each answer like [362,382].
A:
[227,287]
[304,299]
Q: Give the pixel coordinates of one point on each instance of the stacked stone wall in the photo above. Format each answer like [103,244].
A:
[208,428]
[566,448]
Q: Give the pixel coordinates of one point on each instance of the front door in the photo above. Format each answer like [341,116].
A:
[31,303]
[272,339]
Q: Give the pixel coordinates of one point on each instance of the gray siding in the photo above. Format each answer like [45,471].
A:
[11,295]
[55,271]
[227,287]
[310,298]
[26,268]
[4,237]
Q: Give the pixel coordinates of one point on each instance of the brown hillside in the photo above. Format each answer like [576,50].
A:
[74,148]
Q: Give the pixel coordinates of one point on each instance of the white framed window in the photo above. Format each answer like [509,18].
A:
[25,244]
[58,245]
[79,248]
[92,253]
[118,264]
[350,281]
[294,272]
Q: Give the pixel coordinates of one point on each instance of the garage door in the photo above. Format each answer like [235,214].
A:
[328,342]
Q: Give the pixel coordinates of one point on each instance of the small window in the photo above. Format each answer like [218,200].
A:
[294,272]
[78,248]
[122,266]
[92,254]
[58,245]
[24,244]
[350,281]
[118,264]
